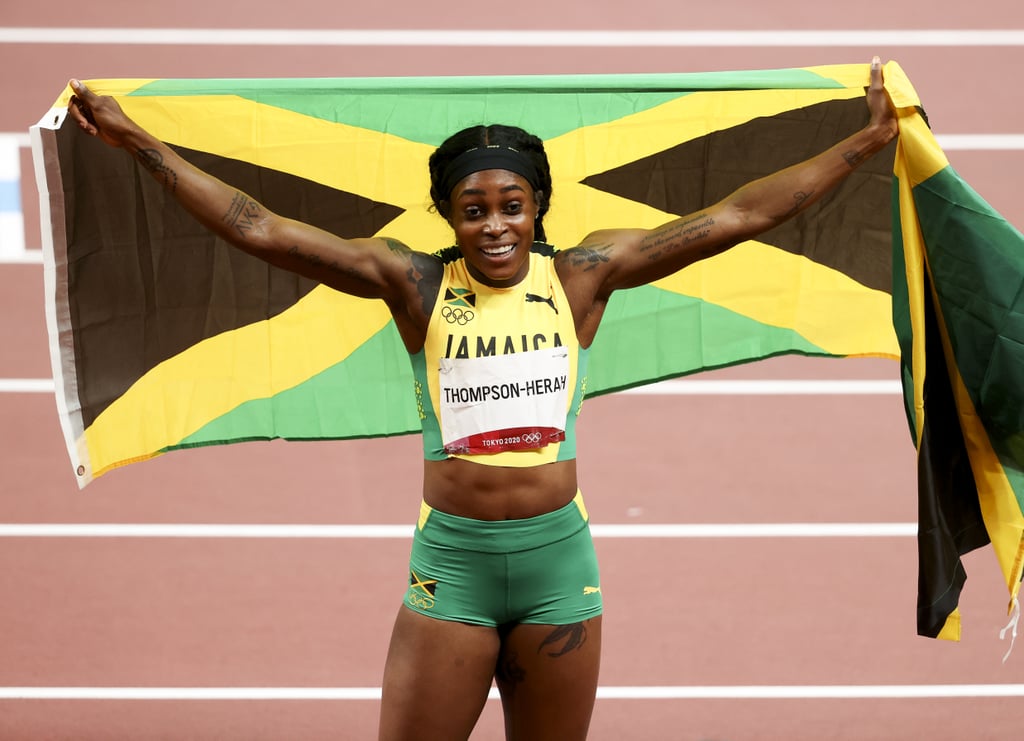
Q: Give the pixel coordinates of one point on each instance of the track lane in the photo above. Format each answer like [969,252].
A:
[274,613]
[706,459]
[36,481]
[954,93]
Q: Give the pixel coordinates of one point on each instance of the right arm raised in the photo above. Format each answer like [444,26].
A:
[369,268]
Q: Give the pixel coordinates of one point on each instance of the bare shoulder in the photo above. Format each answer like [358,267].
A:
[413,280]
[598,251]
[592,264]
[421,274]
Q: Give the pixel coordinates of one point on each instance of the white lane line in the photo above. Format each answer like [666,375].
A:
[737,692]
[811,692]
[26,386]
[663,530]
[693,387]
[948,142]
[18,139]
[30,256]
[506,38]
[980,142]
[689,387]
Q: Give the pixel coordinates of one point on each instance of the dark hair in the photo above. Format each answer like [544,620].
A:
[512,137]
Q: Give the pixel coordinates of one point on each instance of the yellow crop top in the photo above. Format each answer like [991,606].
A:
[501,376]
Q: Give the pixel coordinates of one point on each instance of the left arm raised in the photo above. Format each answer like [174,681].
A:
[634,257]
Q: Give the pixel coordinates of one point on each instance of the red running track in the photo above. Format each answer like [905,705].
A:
[725,614]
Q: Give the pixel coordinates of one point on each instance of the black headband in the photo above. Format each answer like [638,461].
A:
[488,157]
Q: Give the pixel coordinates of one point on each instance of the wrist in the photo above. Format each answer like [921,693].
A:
[883,132]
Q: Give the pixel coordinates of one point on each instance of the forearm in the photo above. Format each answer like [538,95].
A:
[746,213]
[222,209]
[371,268]
[769,201]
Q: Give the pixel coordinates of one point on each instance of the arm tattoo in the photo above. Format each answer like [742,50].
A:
[853,158]
[574,636]
[799,199]
[679,234]
[242,214]
[317,262]
[424,273]
[588,258]
[153,162]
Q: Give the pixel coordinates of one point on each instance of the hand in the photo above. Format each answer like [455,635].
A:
[98,115]
[883,115]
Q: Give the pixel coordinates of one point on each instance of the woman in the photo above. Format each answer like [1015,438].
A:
[503,578]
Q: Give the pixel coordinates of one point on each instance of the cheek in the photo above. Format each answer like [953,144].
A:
[465,233]
[524,220]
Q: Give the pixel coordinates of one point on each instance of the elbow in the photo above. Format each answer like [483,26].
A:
[740,221]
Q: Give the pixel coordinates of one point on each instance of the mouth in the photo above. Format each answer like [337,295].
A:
[498,250]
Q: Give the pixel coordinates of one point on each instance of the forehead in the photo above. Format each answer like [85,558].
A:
[490,182]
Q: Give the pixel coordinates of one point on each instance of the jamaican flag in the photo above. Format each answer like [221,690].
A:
[958,309]
[164,338]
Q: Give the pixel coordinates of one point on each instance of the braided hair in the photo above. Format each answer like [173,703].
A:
[512,138]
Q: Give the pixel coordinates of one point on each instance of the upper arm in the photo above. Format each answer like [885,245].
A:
[376,268]
[365,267]
[625,258]
[406,280]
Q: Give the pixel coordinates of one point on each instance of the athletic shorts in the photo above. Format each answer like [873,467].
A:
[536,570]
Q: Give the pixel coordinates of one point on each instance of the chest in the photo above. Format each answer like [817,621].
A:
[475,321]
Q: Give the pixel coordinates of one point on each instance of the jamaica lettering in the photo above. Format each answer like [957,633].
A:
[478,394]
[464,347]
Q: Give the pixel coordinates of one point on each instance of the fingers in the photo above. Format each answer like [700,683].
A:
[80,89]
[80,109]
[879,104]
[876,72]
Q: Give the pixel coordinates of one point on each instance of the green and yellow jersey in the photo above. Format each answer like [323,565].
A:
[501,376]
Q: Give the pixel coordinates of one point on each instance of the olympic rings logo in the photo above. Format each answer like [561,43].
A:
[457,315]
[532,437]
[420,600]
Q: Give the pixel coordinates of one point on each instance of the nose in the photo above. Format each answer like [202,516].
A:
[495,223]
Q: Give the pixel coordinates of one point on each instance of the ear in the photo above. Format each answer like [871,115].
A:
[445,209]
[541,199]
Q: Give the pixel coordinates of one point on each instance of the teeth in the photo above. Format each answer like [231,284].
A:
[498,251]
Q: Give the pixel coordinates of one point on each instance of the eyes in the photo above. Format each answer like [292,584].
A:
[475,211]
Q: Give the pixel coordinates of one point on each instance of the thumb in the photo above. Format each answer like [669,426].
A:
[80,89]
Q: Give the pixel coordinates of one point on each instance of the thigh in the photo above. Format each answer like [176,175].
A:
[547,675]
[436,678]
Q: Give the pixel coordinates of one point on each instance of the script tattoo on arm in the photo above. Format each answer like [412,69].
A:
[314,260]
[572,637]
[679,234]
[419,272]
[152,161]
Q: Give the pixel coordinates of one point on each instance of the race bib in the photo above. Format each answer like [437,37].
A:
[504,402]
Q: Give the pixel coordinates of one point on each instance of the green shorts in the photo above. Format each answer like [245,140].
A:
[536,570]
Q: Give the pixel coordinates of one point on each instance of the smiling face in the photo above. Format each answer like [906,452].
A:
[493,213]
